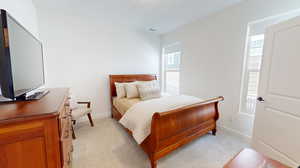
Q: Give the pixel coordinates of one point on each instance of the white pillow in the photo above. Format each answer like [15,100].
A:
[153,83]
[131,90]
[120,89]
[149,90]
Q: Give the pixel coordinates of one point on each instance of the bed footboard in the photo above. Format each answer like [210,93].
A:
[172,129]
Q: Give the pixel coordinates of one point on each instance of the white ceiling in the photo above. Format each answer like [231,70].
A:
[163,15]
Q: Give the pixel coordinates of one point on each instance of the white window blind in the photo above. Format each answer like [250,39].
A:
[252,72]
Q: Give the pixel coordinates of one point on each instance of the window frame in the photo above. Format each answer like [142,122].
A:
[164,69]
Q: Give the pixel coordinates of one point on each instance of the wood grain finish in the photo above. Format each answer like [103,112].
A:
[172,129]
[28,110]
[39,137]
[249,158]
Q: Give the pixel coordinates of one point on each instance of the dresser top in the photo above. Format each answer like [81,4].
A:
[47,106]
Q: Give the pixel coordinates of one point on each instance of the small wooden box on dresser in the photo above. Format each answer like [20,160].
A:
[37,134]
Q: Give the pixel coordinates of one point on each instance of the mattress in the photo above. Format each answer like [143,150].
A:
[123,104]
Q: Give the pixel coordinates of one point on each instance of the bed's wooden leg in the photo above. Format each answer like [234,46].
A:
[214,131]
[153,163]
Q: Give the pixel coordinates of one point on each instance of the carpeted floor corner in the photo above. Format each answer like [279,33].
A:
[107,145]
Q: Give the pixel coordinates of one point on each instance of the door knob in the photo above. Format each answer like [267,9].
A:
[260,99]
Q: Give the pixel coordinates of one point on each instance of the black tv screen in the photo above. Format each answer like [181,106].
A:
[21,56]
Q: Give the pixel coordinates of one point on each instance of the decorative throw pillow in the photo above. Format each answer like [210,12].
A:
[131,90]
[153,83]
[149,90]
[120,89]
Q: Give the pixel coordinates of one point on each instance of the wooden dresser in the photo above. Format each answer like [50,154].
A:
[37,134]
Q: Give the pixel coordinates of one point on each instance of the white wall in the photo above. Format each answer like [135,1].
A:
[24,11]
[83,46]
[213,51]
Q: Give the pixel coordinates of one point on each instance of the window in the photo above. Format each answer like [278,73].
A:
[252,72]
[171,69]
[171,59]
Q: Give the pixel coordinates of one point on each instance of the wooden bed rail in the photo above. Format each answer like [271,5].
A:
[208,101]
[172,129]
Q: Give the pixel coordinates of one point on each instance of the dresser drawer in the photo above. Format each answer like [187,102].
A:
[67,163]
[24,143]
[65,121]
[67,148]
[65,109]
[65,131]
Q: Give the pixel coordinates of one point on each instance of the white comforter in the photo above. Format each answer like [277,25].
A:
[138,118]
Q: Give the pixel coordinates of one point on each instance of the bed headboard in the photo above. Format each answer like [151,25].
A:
[127,78]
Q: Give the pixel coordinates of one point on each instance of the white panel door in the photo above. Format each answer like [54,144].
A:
[277,121]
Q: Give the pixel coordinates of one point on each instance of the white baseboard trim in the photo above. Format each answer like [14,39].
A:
[246,138]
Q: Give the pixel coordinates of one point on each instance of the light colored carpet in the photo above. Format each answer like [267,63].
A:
[107,145]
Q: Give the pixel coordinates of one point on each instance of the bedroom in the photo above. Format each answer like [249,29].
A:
[85,42]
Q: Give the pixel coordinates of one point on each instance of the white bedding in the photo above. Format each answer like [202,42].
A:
[138,118]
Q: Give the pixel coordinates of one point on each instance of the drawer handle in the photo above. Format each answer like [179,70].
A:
[67,130]
[69,158]
[67,133]
[69,162]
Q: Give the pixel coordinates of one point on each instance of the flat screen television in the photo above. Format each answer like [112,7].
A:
[21,59]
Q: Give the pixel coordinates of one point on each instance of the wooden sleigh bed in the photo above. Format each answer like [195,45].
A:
[171,129]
